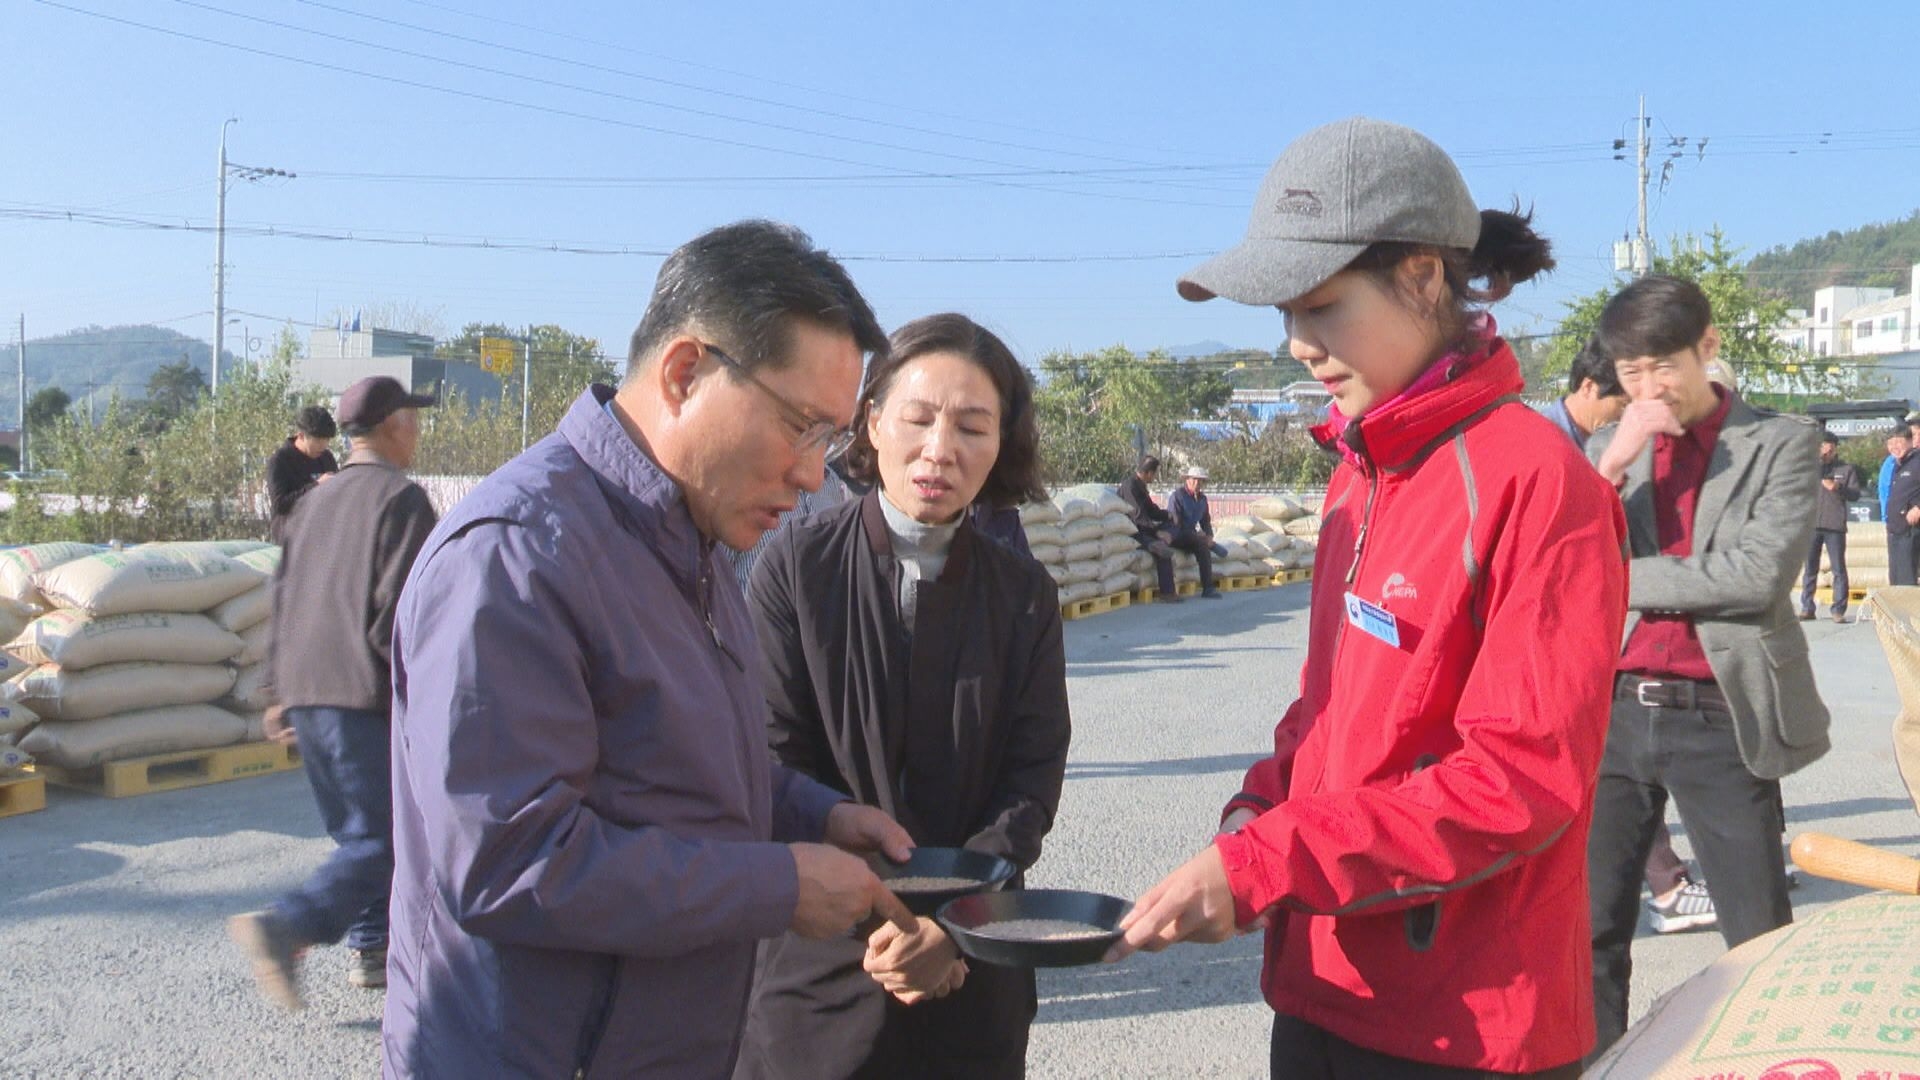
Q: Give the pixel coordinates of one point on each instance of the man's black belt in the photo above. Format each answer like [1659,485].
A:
[1670,693]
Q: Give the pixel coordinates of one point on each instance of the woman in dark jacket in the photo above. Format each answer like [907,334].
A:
[917,666]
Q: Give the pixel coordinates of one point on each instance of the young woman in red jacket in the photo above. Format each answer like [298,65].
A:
[1416,846]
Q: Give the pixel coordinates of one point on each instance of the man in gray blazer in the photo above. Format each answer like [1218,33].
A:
[1715,698]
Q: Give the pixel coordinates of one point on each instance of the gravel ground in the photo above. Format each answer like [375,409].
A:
[115,963]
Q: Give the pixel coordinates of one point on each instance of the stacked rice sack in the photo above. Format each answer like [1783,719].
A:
[1085,540]
[1293,532]
[1866,558]
[20,604]
[136,647]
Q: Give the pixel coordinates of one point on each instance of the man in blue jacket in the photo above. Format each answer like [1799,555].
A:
[590,833]
[1192,524]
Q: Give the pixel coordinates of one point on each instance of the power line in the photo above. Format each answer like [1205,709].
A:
[575,114]
[552,247]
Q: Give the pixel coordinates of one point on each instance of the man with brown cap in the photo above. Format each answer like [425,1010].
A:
[349,546]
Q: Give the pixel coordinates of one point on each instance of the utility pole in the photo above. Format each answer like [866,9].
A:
[1643,258]
[242,172]
[23,391]
[526,398]
[220,257]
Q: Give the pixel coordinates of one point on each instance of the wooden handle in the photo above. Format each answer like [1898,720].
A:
[1856,864]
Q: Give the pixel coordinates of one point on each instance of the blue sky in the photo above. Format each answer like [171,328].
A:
[1110,131]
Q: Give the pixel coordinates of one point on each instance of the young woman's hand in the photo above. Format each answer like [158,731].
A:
[1191,904]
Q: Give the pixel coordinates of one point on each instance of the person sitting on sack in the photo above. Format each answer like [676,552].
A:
[1152,526]
[1192,524]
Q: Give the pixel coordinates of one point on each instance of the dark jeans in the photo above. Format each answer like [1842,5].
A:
[348,756]
[1303,1051]
[1835,545]
[1200,547]
[1900,567]
[1151,543]
[1733,817]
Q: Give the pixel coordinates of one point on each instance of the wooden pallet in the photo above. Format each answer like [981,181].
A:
[1293,577]
[170,772]
[22,795]
[1186,588]
[1243,582]
[1146,595]
[1094,605]
[1823,598]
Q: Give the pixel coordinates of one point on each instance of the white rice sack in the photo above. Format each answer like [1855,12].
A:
[15,615]
[1057,571]
[1039,513]
[80,744]
[1081,530]
[1104,498]
[15,717]
[1244,524]
[1072,509]
[250,608]
[253,643]
[256,722]
[1118,523]
[13,761]
[1116,564]
[1140,562]
[90,693]
[75,640]
[1277,508]
[1305,526]
[146,579]
[18,565]
[1086,551]
[1116,583]
[265,558]
[1080,590]
[1047,553]
[1045,534]
[1118,545]
[12,666]
[1079,572]
[1236,546]
[1277,563]
[228,548]
[250,690]
[1146,581]
[1258,547]
[1187,573]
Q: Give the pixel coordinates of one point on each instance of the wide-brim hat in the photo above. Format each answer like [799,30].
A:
[1194,472]
[1334,192]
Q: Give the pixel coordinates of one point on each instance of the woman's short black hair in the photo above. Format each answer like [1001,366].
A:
[316,421]
[1015,477]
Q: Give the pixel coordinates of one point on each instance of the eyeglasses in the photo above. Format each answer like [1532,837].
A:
[815,434]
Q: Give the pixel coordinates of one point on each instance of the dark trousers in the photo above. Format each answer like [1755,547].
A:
[348,756]
[1834,543]
[1733,817]
[1201,548]
[1900,567]
[1150,541]
[1305,1052]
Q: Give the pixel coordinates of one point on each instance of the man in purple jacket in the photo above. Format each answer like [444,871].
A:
[590,833]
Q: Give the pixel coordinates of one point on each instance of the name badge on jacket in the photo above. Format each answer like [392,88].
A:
[1373,620]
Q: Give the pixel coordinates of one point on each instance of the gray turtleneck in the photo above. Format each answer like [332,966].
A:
[920,549]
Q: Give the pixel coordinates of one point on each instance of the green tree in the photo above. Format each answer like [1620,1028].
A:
[171,391]
[45,408]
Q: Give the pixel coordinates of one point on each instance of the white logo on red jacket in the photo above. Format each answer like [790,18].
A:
[1397,587]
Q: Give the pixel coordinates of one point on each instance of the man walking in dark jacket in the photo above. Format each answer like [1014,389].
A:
[1839,485]
[349,547]
[301,462]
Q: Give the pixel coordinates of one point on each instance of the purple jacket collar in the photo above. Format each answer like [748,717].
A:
[643,496]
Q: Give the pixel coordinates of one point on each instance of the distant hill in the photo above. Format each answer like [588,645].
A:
[1873,255]
[1198,350]
[112,358]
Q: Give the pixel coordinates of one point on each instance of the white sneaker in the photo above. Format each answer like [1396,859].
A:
[1689,908]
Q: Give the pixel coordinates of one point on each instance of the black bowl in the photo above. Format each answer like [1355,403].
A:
[969,921]
[985,872]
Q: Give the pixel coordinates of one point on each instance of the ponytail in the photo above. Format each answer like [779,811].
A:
[1508,253]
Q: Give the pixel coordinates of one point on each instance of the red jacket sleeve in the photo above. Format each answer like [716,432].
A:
[1530,725]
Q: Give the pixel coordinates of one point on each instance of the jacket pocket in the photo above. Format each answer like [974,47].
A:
[1798,714]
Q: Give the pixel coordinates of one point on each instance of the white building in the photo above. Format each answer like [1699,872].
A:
[336,359]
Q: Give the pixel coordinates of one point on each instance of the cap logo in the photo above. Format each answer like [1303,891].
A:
[1299,202]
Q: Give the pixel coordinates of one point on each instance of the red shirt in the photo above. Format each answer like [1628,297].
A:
[1666,645]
